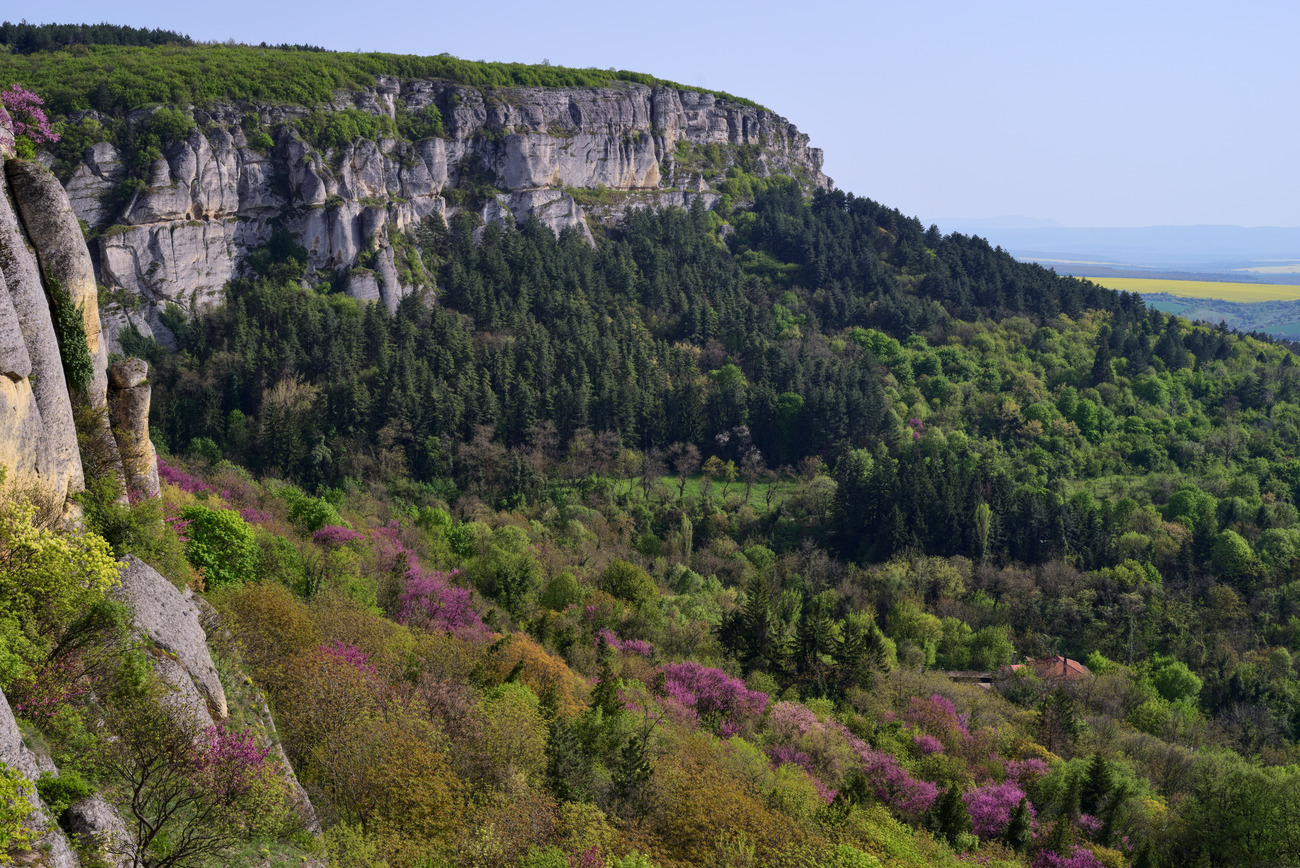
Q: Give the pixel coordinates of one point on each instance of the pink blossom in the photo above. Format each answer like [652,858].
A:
[350,655]
[1079,858]
[927,744]
[990,807]
[182,480]
[253,515]
[26,115]
[229,763]
[1025,772]
[714,695]
[334,536]
[1089,824]
[431,601]
[589,858]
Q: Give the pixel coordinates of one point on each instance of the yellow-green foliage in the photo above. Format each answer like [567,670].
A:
[14,810]
[47,579]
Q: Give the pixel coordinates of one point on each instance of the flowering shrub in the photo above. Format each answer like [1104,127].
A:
[229,764]
[893,785]
[939,718]
[333,536]
[990,807]
[927,744]
[429,599]
[1025,772]
[833,752]
[350,655]
[714,695]
[1079,858]
[639,647]
[252,515]
[55,684]
[26,115]
[179,478]
[432,602]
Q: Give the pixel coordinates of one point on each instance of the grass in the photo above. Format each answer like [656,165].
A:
[1236,292]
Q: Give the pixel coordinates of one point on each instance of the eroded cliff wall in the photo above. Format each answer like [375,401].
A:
[210,199]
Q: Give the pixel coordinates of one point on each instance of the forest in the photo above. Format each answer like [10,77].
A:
[715,542]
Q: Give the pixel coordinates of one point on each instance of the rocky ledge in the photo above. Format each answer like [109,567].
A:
[506,153]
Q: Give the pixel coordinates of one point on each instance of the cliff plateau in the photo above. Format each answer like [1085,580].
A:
[504,154]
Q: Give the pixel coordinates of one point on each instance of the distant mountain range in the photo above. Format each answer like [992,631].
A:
[1269,254]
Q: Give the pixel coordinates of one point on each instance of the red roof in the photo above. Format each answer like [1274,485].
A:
[1056,667]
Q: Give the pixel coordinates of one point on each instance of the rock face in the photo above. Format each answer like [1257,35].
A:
[38,441]
[52,226]
[128,410]
[170,619]
[98,828]
[213,197]
[50,845]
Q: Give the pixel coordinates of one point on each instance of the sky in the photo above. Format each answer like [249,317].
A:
[1092,113]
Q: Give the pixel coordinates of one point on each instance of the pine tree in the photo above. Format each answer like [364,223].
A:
[1019,831]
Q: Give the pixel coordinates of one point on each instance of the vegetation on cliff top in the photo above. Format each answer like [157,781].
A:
[118,78]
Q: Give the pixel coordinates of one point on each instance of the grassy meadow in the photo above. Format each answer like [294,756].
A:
[1234,292]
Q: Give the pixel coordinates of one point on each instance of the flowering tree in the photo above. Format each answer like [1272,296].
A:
[191,794]
[26,115]
[990,807]
[714,695]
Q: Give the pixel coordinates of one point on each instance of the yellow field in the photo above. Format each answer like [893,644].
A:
[1204,288]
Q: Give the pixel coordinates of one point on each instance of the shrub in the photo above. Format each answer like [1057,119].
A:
[221,544]
[48,582]
[60,791]
[14,809]
[628,582]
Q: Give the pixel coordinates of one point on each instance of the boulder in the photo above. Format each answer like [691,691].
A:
[170,619]
[98,828]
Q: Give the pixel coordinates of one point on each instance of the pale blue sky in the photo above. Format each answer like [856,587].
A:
[1091,113]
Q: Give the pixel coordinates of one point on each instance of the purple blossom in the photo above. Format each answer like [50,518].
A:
[990,807]
[714,694]
[1079,858]
[790,720]
[432,602]
[229,762]
[927,744]
[26,115]
[252,515]
[1025,772]
[349,655]
[939,717]
[639,647]
[894,786]
[182,480]
[1089,824]
[334,536]
[589,858]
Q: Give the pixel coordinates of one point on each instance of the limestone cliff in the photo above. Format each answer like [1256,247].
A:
[214,196]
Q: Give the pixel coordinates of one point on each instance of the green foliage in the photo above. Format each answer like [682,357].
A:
[14,810]
[221,544]
[328,130]
[70,329]
[420,125]
[60,791]
[113,78]
[1176,682]
[47,582]
[627,581]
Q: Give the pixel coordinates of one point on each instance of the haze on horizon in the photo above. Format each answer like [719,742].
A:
[1105,114]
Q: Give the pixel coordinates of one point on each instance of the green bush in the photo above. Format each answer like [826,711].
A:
[221,544]
[61,791]
[628,582]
